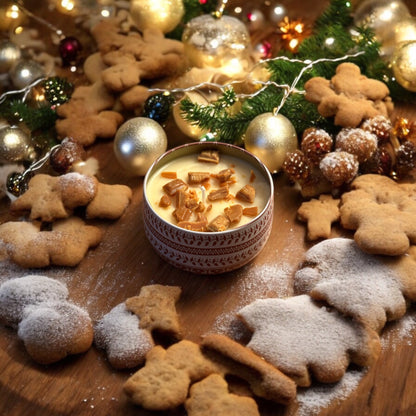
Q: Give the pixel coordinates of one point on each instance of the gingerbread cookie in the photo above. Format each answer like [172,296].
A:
[132,57]
[382,212]
[49,324]
[350,97]
[88,115]
[109,202]
[18,293]
[65,245]
[211,396]
[164,381]
[53,197]
[360,285]
[305,340]
[265,380]
[53,330]
[118,332]
[319,214]
[155,307]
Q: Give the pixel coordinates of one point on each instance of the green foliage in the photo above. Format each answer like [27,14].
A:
[335,24]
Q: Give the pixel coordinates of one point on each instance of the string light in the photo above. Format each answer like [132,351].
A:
[288,89]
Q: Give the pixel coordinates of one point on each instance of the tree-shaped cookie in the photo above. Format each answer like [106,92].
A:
[304,339]
[357,284]
[349,96]
[382,212]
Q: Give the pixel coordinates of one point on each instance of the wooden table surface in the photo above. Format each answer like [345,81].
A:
[125,261]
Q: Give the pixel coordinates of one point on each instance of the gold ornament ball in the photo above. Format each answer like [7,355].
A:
[270,137]
[187,128]
[163,14]
[138,142]
[15,145]
[404,65]
[381,16]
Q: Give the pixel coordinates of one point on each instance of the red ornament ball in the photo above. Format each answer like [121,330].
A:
[69,49]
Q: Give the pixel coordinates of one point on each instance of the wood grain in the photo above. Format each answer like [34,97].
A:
[86,385]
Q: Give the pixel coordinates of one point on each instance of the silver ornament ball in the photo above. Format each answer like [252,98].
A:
[138,142]
[15,145]
[9,54]
[270,137]
[24,72]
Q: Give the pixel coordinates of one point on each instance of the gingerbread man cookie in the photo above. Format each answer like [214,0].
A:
[350,97]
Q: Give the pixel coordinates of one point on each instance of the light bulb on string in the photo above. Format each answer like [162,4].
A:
[69,46]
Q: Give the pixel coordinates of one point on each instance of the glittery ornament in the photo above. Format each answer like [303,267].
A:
[270,137]
[404,65]
[15,145]
[69,48]
[57,90]
[62,158]
[405,158]
[24,72]
[158,106]
[339,167]
[9,55]
[315,144]
[401,128]
[379,125]
[356,141]
[190,130]
[138,142]
[17,183]
[380,16]
[163,14]
[297,166]
[217,42]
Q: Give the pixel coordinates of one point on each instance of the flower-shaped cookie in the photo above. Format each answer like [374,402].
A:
[382,212]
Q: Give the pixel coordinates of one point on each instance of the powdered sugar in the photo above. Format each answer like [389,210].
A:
[52,324]
[77,180]
[295,334]
[312,400]
[356,283]
[118,332]
[18,293]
